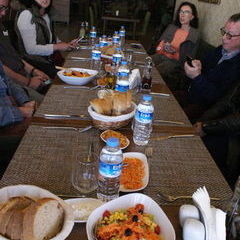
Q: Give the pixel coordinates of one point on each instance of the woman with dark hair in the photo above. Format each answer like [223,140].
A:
[177,41]
[36,40]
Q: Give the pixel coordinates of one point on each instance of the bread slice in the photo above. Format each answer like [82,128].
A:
[15,224]
[8,209]
[102,106]
[121,103]
[43,219]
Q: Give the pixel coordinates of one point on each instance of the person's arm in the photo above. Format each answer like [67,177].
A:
[29,36]
[9,115]
[33,82]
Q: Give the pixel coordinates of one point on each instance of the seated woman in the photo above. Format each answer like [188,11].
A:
[36,40]
[177,41]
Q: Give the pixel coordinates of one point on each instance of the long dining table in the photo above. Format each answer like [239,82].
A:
[178,166]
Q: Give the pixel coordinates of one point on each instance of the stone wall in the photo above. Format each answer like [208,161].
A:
[213,16]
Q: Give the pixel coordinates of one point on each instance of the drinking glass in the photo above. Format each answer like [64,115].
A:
[84,173]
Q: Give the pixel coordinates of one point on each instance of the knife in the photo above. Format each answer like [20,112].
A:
[160,94]
[79,58]
[167,121]
[77,87]
[63,116]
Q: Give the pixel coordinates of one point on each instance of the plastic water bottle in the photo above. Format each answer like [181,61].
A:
[122,34]
[103,41]
[142,127]
[82,30]
[122,84]
[96,58]
[93,36]
[117,58]
[116,39]
[110,166]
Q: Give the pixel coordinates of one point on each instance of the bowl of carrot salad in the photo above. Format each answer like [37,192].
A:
[130,217]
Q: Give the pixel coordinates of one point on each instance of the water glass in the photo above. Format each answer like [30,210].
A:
[84,173]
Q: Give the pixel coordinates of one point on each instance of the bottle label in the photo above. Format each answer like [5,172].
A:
[103,44]
[122,33]
[144,117]
[110,170]
[116,39]
[123,74]
[122,88]
[117,58]
[93,34]
[96,55]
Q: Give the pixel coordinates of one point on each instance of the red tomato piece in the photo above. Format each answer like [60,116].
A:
[106,213]
[157,230]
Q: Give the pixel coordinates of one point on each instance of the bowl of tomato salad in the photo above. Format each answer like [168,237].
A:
[130,217]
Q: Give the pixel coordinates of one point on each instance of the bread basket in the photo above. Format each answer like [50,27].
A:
[104,122]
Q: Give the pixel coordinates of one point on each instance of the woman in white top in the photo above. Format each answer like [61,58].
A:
[36,39]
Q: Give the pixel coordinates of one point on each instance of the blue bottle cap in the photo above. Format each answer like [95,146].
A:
[118,49]
[113,142]
[124,62]
[147,97]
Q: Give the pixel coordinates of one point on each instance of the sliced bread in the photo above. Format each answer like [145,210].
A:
[42,219]
[15,223]
[8,209]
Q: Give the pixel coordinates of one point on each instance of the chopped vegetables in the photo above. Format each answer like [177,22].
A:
[129,224]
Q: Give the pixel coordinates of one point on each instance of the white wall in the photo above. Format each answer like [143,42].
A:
[212,17]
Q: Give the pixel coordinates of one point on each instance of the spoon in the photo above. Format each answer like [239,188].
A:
[169,198]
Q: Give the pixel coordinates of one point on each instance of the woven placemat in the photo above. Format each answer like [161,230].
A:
[178,166]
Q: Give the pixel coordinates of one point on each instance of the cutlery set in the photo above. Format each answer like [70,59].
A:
[65,116]
[80,130]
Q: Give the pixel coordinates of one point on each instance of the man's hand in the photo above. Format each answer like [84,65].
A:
[27,109]
[198,129]
[194,71]
[41,74]
[36,81]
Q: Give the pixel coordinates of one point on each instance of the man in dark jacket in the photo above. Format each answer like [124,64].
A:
[217,73]
[220,129]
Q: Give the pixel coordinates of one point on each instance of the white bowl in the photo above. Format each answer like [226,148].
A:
[145,180]
[36,193]
[130,200]
[77,80]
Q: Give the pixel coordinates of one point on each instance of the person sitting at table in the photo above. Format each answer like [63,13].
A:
[177,41]
[36,39]
[219,128]
[14,102]
[17,69]
[215,75]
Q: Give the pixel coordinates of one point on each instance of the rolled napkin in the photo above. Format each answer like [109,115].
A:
[193,229]
[188,211]
[134,79]
[220,223]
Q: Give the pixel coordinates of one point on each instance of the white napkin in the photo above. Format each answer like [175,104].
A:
[134,78]
[213,219]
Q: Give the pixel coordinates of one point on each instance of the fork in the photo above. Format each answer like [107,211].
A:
[172,136]
[80,130]
[170,198]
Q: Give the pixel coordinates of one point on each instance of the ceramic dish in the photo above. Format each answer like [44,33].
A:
[130,200]
[73,80]
[83,207]
[123,146]
[143,158]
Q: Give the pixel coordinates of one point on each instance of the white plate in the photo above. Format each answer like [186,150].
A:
[143,158]
[128,142]
[130,200]
[79,204]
